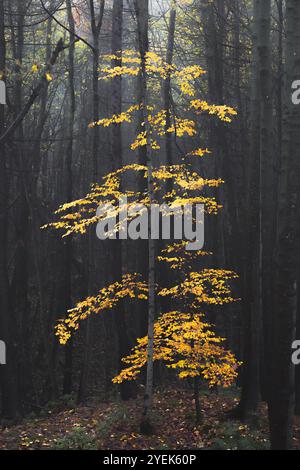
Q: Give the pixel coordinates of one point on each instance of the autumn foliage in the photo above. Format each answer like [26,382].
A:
[183,339]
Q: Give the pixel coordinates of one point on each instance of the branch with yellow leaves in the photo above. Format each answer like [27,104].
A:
[41,85]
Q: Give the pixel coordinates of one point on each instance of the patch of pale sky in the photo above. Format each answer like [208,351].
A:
[157,7]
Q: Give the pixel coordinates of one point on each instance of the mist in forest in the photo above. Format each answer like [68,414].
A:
[170,321]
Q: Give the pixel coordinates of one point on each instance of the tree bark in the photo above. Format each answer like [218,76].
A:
[167,90]
[8,385]
[281,401]
[127,390]
[142,13]
[96,25]
[68,367]
[252,313]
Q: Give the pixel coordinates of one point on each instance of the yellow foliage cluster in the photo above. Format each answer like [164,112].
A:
[107,298]
[209,286]
[142,140]
[131,65]
[185,343]
[223,112]
[125,116]
[156,125]
[48,77]
[187,76]
[155,65]
[183,127]
[176,256]
[78,216]
[199,152]
[210,203]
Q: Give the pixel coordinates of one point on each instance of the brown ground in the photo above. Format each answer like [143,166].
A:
[113,426]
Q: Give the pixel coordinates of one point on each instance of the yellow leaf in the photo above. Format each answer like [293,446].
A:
[48,77]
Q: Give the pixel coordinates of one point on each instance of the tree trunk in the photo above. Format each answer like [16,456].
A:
[252,312]
[268,179]
[197,401]
[68,367]
[142,13]
[8,385]
[167,91]
[96,29]
[127,390]
[281,401]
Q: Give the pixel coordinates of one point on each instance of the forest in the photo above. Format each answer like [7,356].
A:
[149,195]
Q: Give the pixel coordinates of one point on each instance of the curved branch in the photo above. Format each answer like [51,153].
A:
[65,27]
[42,84]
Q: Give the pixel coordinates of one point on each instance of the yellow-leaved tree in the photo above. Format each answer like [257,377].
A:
[182,338]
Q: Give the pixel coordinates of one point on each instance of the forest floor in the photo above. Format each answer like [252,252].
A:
[115,425]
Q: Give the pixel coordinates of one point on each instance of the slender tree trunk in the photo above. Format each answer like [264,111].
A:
[281,401]
[268,179]
[197,400]
[297,369]
[68,367]
[142,13]
[34,208]
[20,283]
[127,390]
[96,26]
[252,312]
[141,9]
[167,90]
[8,408]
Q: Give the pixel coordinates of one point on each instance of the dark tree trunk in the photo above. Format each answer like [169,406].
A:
[197,400]
[268,185]
[127,389]
[96,29]
[68,367]
[167,91]
[281,401]
[8,385]
[252,312]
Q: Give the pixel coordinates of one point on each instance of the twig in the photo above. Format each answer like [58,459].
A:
[43,84]
[65,27]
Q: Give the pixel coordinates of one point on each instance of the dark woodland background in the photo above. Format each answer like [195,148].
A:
[48,156]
